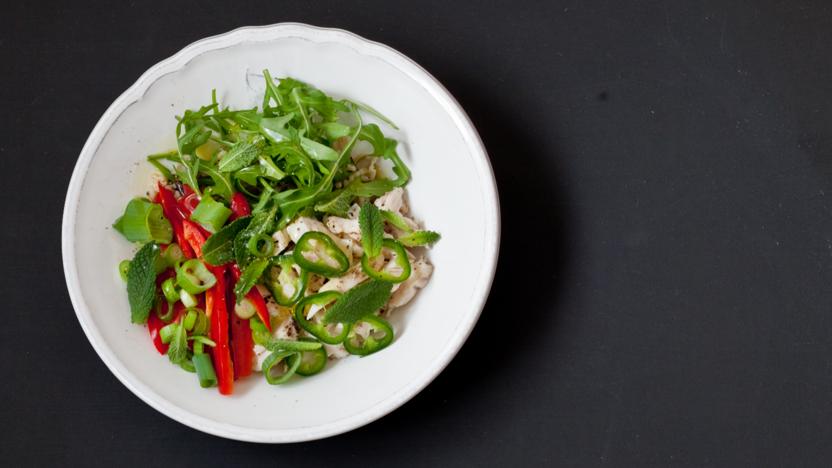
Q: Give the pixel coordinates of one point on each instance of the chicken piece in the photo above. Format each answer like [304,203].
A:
[287,330]
[354,211]
[281,241]
[344,227]
[302,225]
[420,272]
[348,229]
[394,201]
[346,282]
[276,311]
[336,351]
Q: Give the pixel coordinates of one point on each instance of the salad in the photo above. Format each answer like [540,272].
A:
[275,239]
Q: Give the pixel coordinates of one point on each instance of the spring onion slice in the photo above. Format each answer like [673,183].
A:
[204,370]
[210,214]
[144,221]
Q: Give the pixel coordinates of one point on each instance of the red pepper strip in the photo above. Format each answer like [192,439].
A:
[242,344]
[242,347]
[239,206]
[194,236]
[171,210]
[255,297]
[218,312]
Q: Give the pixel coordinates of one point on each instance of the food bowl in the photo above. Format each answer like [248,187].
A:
[452,191]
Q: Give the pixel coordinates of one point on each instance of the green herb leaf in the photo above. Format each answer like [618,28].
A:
[178,349]
[251,273]
[219,248]
[239,156]
[386,148]
[141,282]
[274,344]
[222,186]
[261,223]
[372,229]
[397,221]
[337,203]
[360,301]
[419,238]
[317,150]
[189,172]
[373,188]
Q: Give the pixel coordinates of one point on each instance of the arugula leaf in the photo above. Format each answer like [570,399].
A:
[219,248]
[317,150]
[419,238]
[189,172]
[270,169]
[372,229]
[359,302]
[397,221]
[222,185]
[373,188]
[386,148]
[251,273]
[141,282]
[335,130]
[366,108]
[305,197]
[239,156]
[178,349]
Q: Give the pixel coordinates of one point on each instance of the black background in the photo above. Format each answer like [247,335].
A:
[663,290]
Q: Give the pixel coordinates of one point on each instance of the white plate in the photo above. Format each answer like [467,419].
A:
[453,192]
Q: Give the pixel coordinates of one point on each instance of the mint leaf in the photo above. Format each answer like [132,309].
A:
[219,248]
[141,282]
[239,156]
[372,229]
[419,238]
[359,302]
[251,274]
[261,223]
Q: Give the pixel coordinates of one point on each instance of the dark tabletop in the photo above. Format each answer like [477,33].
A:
[665,277]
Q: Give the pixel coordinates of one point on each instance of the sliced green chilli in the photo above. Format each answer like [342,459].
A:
[279,367]
[318,253]
[379,336]
[329,333]
[312,362]
[261,246]
[284,282]
[394,270]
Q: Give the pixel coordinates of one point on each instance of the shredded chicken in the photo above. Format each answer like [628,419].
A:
[420,272]
[336,351]
[394,201]
[281,241]
[344,226]
[344,283]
